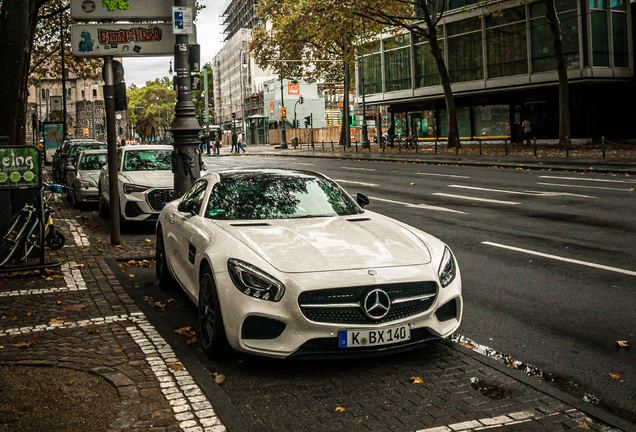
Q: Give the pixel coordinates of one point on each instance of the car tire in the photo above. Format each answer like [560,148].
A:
[212,335]
[102,209]
[164,278]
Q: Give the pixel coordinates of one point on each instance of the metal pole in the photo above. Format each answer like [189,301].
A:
[207,106]
[242,52]
[185,167]
[93,105]
[111,125]
[364,140]
[65,126]
[283,138]
[345,103]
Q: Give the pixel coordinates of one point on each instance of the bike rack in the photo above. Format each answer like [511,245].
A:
[36,182]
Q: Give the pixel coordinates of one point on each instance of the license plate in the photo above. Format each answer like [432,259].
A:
[376,337]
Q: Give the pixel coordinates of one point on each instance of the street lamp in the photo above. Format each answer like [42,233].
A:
[283,139]
[244,65]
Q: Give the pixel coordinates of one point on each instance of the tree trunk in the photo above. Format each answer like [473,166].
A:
[453,130]
[18,20]
[562,70]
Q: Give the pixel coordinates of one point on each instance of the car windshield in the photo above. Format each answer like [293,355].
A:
[93,162]
[277,195]
[147,160]
[78,147]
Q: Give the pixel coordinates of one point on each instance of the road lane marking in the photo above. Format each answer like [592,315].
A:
[300,163]
[72,277]
[419,206]
[357,183]
[477,199]
[586,187]
[569,260]
[357,169]
[442,175]
[531,193]
[588,179]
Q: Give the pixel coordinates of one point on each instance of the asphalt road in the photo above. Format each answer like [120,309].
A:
[547,262]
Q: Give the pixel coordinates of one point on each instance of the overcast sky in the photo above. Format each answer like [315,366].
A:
[139,70]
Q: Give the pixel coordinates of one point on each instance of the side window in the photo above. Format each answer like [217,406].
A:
[196,194]
[119,155]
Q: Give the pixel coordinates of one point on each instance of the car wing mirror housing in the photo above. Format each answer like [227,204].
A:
[186,207]
[362,199]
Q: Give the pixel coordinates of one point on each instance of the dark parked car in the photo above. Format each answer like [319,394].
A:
[59,156]
[72,152]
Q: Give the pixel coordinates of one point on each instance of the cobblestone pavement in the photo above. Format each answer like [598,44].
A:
[81,318]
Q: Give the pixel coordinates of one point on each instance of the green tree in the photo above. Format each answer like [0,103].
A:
[149,109]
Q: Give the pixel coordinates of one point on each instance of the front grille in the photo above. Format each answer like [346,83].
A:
[344,305]
[158,197]
[447,312]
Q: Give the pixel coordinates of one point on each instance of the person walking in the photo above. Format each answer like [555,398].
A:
[234,141]
[217,143]
[239,142]
[527,130]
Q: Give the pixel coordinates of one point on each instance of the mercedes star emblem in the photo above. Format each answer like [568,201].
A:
[377,304]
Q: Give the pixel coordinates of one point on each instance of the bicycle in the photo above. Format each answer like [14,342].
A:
[23,230]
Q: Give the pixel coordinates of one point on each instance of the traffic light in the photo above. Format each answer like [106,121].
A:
[308,120]
[301,100]
[296,123]
[121,130]
[283,112]
[101,127]
[233,115]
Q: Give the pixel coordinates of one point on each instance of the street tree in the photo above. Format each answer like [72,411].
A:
[30,42]
[310,39]
[148,108]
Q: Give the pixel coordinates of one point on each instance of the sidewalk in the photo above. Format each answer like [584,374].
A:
[77,354]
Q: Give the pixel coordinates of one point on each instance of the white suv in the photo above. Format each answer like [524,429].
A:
[146,182]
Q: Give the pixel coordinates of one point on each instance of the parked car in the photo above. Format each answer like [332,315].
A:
[82,176]
[73,150]
[285,263]
[59,157]
[145,182]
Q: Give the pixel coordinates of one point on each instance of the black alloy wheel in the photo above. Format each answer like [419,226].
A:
[164,278]
[212,332]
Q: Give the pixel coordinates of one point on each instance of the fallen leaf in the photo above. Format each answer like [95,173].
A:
[412,184]
[58,302]
[48,278]
[75,306]
[219,379]
[13,318]
[416,380]
[93,331]
[71,381]
[79,265]
[339,409]
[617,375]
[170,300]
[118,246]
[57,321]
[584,426]
[467,345]
[160,305]
[31,313]
[131,275]
[118,350]
[25,344]
[116,329]
[193,339]
[148,241]
[185,331]
[176,367]
[623,344]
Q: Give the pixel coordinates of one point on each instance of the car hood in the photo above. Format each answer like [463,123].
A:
[89,175]
[156,179]
[334,243]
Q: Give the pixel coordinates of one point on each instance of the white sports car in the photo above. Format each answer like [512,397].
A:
[285,263]
[145,179]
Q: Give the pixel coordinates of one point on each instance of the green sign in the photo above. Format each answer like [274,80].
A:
[19,167]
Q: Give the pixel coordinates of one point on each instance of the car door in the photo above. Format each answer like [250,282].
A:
[185,235]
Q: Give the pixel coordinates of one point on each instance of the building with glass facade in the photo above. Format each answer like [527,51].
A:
[503,69]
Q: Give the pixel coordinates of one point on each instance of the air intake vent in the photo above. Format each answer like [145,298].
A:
[359,220]
[447,311]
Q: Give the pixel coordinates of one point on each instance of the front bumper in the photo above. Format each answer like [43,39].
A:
[87,195]
[305,338]
[144,206]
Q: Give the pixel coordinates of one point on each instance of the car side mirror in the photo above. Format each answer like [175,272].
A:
[362,199]
[186,207]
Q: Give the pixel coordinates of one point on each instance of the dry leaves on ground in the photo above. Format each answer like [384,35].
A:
[467,345]
[33,312]
[617,376]
[416,380]
[623,344]
[26,344]
[78,265]
[176,367]
[584,426]
[118,350]
[137,263]
[93,331]
[157,304]
[339,409]
[189,333]
[57,320]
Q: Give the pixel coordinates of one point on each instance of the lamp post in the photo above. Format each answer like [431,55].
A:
[283,139]
[243,65]
[364,140]
[65,126]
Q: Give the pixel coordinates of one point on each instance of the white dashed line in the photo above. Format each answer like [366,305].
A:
[588,179]
[419,206]
[531,193]
[569,260]
[357,183]
[586,187]
[357,169]
[442,175]
[477,199]
[72,277]
[300,163]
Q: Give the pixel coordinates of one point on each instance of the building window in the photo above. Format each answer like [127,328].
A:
[373,69]
[68,93]
[507,43]
[83,94]
[542,42]
[465,56]
[397,57]
[94,93]
[426,72]
[491,121]
[463,122]
[619,33]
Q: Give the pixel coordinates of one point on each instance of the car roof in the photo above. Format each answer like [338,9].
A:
[148,147]
[94,151]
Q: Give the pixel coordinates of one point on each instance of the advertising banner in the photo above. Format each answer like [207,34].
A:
[53,135]
[123,10]
[19,167]
[293,88]
[124,40]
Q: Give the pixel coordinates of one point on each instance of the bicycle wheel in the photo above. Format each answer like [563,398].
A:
[55,239]
[32,238]
[13,235]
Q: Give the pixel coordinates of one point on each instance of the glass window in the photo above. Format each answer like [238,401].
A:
[463,122]
[373,69]
[94,93]
[196,193]
[600,38]
[465,57]
[397,57]
[542,42]
[426,72]
[93,162]
[492,121]
[507,43]
[147,160]
[276,195]
[621,46]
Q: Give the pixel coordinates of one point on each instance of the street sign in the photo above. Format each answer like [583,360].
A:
[182,20]
[124,40]
[123,10]
[19,167]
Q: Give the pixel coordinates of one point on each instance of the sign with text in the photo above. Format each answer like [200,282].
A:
[123,10]
[182,20]
[123,40]
[19,167]
[53,135]
[271,108]
[293,88]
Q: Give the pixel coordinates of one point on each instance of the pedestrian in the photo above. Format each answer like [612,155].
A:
[234,141]
[239,142]
[217,142]
[206,142]
[122,142]
[527,130]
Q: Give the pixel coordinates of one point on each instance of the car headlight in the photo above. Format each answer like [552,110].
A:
[85,183]
[254,282]
[130,188]
[447,268]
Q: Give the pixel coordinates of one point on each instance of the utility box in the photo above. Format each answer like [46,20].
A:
[294,142]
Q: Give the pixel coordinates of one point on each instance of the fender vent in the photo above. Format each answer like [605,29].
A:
[255,224]
[359,220]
